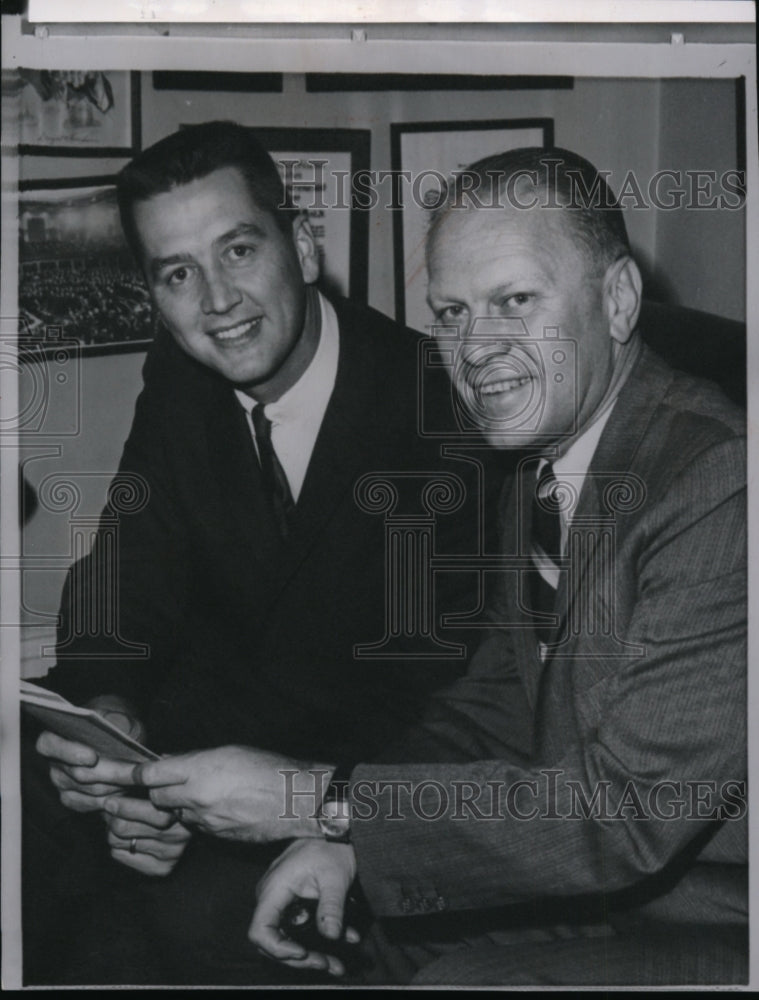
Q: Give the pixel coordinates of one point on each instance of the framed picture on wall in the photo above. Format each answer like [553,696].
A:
[428,154]
[79,112]
[78,281]
[318,168]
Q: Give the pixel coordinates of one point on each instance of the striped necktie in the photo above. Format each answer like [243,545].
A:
[276,486]
[545,547]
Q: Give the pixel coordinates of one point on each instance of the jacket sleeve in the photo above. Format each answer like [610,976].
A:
[659,740]
[122,603]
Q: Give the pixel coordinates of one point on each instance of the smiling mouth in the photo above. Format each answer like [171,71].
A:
[503,385]
[237,332]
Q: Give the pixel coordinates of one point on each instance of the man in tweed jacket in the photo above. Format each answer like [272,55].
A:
[570,812]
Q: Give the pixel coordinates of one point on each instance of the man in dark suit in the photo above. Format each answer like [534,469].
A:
[236,591]
[572,810]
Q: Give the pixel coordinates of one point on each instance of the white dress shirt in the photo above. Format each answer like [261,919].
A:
[297,415]
[573,464]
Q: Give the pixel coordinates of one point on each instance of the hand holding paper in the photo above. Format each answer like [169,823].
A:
[92,753]
[84,776]
[239,793]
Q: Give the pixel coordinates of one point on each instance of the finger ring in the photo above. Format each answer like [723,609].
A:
[133,845]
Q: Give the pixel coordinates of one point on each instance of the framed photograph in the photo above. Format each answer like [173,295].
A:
[77,279]
[318,167]
[79,112]
[429,154]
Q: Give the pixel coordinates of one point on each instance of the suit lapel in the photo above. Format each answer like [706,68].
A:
[611,470]
[518,521]
[340,449]
[621,455]
[234,496]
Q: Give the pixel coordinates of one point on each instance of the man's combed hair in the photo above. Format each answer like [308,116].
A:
[553,178]
[191,154]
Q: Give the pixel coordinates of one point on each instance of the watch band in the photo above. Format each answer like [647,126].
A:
[339,781]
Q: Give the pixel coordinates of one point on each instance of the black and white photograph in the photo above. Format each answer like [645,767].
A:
[376,438]
[75,270]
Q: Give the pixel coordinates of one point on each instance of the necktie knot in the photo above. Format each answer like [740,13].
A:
[262,426]
[546,485]
[548,501]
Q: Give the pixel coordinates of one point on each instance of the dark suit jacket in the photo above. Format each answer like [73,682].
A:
[250,640]
[660,698]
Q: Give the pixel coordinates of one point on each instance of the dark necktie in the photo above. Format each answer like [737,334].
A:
[275,481]
[545,547]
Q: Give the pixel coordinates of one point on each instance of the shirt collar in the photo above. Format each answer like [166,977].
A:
[578,456]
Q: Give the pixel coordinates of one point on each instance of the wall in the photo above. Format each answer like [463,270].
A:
[603,119]
[694,258]
[701,250]
[99,406]
[621,125]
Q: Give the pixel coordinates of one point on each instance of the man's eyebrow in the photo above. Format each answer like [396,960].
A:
[244,229]
[504,288]
[157,264]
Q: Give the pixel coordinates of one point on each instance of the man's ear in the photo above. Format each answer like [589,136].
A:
[305,247]
[623,289]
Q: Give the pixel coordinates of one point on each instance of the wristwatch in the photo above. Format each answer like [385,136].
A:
[334,819]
